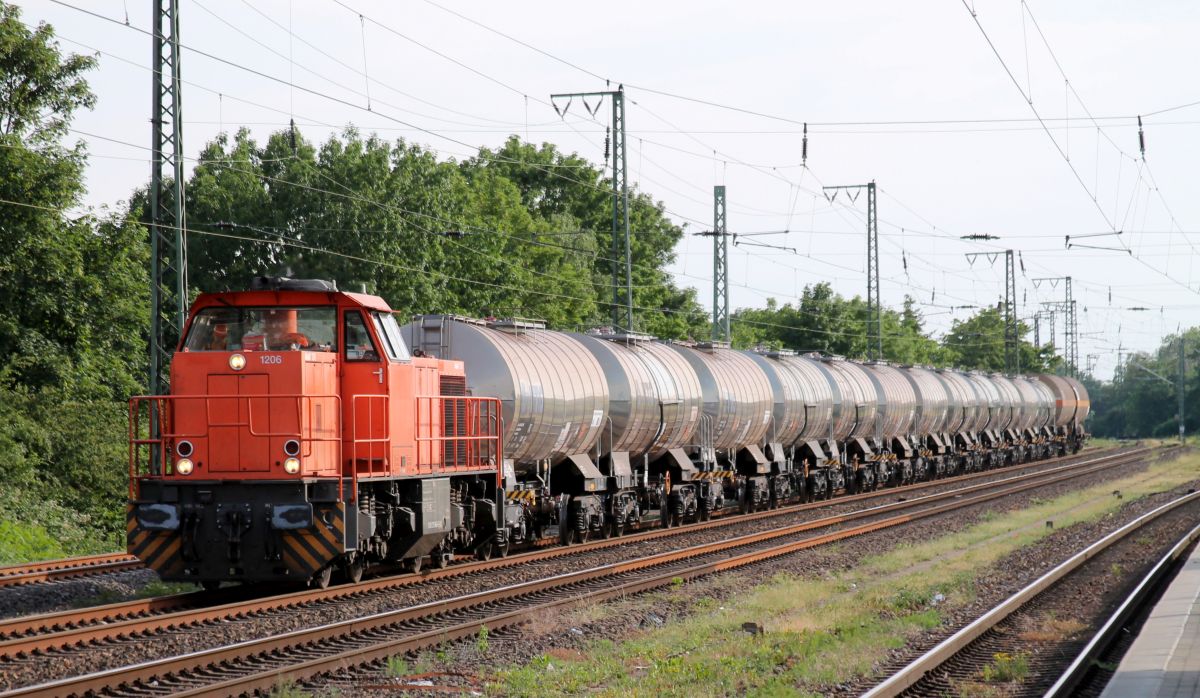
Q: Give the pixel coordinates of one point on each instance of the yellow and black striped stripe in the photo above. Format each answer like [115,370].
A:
[158,550]
[307,550]
[711,475]
[525,496]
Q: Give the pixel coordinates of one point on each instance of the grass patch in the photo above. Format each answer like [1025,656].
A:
[33,528]
[156,587]
[820,632]
[1006,667]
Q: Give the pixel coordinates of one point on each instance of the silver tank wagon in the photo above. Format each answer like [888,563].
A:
[552,390]
[737,396]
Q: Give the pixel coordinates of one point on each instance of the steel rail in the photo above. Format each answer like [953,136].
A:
[1162,571]
[64,621]
[27,643]
[907,677]
[462,616]
[52,570]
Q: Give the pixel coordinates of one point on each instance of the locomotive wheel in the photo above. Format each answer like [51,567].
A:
[354,569]
[705,514]
[484,550]
[210,585]
[618,528]
[502,550]
[677,520]
[321,579]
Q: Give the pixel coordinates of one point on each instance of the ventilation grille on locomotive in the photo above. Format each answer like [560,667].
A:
[454,420]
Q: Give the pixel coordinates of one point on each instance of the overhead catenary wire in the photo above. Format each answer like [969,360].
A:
[418,128]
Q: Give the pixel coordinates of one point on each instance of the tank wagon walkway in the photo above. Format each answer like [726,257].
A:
[1164,660]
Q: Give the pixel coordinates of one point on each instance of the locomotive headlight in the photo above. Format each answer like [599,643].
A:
[291,466]
[183,466]
[237,362]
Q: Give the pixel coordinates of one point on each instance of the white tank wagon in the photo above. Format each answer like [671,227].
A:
[552,389]
[967,410]
[802,416]
[804,404]
[1083,403]
[893,454]
[855,402]
[737,399]
[654,396]
[737,407]
[931,419]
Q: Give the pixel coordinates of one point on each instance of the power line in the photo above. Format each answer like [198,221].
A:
[766,115]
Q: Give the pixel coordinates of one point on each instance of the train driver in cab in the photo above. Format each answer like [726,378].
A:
[278,333]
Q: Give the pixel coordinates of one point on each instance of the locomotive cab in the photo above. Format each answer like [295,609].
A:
[300,436]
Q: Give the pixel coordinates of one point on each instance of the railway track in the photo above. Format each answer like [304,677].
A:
[259,664]
[67,568]
[25,635]
[1090,671]
[958,662]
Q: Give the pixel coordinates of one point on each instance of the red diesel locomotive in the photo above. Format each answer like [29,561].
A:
[300,436]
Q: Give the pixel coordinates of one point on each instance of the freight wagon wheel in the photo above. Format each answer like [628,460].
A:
[321,579]
[439,560]
[354,569]
[210,585]
[414,564]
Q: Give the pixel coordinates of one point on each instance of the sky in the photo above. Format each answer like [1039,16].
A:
[974,117]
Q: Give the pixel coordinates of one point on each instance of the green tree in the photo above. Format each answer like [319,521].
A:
[73,294]
[826,322]
[498,234]
[1138,402]
[561,187]
[978,343]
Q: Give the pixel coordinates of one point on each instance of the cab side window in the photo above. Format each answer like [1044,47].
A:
[359,345]
[389,333]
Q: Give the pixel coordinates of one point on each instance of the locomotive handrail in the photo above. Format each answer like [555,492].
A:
[479,430]
[159,409]
[370,441]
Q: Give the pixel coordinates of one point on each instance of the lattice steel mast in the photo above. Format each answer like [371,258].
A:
[167,220]
[622,309]
[874,306]
[720,236]
[1071,343]
[1012,350]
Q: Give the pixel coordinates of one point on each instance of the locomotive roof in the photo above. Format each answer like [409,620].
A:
[269,298]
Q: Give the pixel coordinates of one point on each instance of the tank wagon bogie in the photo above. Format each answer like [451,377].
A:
[307,431]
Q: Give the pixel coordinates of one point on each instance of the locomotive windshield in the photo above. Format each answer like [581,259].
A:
[264,329]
